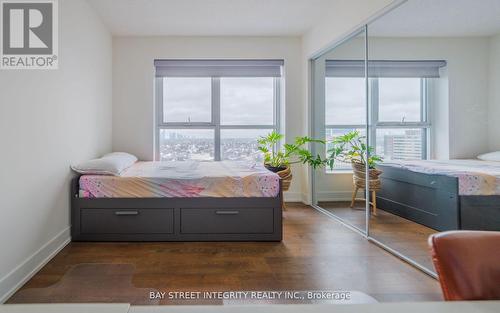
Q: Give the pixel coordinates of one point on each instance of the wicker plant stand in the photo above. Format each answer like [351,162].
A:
[359,182]
[286,179]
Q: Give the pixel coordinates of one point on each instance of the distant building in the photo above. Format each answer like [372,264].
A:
[407,146]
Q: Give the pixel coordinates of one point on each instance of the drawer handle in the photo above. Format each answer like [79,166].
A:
[123,213]
[227,212]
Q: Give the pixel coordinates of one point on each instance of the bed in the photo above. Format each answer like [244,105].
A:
[178,201]
[443,195]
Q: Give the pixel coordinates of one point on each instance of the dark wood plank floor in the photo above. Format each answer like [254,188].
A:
[317,253]
[405,236]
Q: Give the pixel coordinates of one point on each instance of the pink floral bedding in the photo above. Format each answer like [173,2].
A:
[183,179]
[475,177]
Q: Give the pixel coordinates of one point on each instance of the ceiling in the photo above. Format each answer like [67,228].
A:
[440,18]
[212,17]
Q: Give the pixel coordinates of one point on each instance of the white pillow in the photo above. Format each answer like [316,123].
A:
[492,156]
[110,164]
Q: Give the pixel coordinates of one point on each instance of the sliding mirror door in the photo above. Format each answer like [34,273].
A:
[433,72]
[339,118]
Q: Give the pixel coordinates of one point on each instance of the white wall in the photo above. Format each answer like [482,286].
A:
[49,119]
[133,73]
[494,95]
[439,111]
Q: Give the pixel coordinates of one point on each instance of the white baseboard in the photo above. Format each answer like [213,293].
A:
[306,199]
[322,196]
[16,278]
[292,196]
[335,196]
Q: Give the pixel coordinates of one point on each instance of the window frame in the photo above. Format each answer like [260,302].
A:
[375,123]
[215,123]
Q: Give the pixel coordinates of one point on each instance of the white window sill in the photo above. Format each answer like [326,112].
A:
[339,172]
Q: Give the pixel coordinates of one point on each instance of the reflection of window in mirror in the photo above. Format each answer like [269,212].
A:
[400,101]
[399,96]
[399,113]
[344,110]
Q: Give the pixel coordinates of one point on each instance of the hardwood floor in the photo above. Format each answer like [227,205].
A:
[405,236]
[317,253]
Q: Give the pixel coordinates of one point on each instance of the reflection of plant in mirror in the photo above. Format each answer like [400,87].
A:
[351,148]
[290,152]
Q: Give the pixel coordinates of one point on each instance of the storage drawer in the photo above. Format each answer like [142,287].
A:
[227,221]
[127,221]
[438,182]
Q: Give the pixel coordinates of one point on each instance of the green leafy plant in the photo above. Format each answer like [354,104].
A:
[350,147]
[290,153]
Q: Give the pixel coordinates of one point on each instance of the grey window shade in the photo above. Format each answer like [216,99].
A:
[355,68]
[218,68]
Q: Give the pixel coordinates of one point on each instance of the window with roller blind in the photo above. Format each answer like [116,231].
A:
[211,110]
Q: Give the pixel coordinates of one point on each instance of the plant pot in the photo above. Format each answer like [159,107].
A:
[285,174]
[359,176]
[275,169]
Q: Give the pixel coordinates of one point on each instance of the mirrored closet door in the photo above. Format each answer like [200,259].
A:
[413,97]
[431,72]
[339,118]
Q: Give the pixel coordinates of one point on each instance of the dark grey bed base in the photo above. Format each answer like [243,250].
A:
[433,200]
[175,219]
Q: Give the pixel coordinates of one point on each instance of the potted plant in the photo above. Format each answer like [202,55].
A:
[278,159]
[350,147]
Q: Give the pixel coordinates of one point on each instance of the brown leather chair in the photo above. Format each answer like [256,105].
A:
[468,264]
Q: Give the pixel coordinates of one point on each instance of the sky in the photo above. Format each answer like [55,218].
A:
[399,98]
[187,99]
[345,100]
[244,101]
[247,101]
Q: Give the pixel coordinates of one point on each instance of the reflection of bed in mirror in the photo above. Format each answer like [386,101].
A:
[443,195]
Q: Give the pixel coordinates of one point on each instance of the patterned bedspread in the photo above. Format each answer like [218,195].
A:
[183,179]
[475,177]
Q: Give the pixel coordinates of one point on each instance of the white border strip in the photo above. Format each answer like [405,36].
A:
[16,278]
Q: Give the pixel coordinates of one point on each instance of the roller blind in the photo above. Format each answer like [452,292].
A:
[218,68]
[355,68]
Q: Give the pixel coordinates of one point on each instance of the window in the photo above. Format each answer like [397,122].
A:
[399,117]
[215,110]
[399,101]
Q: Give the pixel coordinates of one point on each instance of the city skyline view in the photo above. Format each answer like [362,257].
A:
[240,145]
[182,145]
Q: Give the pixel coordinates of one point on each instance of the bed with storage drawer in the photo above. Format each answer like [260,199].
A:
[443,195]
[178,201]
